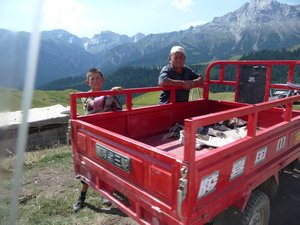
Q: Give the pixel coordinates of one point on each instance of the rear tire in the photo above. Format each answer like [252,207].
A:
[257,211]
[270,188]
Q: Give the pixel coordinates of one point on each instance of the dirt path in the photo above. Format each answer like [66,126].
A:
[286,208]
[53,182]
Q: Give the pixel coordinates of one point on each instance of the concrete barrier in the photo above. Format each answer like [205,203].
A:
[47,126]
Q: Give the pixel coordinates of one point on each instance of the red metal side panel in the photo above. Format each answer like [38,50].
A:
[161,181]
[115,122]
[82,142]
[294,137]
[153,175]
[140,124]
[137,169]
[224,179]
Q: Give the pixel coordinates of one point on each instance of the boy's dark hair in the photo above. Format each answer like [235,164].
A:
[93,70]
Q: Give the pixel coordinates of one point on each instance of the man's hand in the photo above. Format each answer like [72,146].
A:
[188,84]
[199,81]
[116,89]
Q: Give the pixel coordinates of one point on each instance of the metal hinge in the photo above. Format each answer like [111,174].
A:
[182,190]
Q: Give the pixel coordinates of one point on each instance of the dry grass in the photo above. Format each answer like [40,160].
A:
[30,158]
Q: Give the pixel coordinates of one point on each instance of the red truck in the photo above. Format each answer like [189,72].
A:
[125,156]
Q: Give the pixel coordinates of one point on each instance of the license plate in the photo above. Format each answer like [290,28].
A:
[118,160]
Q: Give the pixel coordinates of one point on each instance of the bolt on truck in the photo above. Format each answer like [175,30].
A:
[125,156]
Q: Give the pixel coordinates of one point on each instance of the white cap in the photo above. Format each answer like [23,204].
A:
[175,49]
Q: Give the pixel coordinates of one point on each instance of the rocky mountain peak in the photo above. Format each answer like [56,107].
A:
[262,4]
[269,8]
[137,37]
[256,13]
[61,35]
[262,11]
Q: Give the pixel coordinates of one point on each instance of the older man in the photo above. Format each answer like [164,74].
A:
[176,74]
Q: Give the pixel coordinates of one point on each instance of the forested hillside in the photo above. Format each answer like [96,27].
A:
[127,77]
[132,77]
[282,54]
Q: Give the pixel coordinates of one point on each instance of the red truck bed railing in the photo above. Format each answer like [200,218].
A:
[269,64]
[197,185]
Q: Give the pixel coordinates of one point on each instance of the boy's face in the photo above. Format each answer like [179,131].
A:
[95,81]
[177,60]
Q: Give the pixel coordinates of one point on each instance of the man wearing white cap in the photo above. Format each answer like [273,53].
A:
[176,74]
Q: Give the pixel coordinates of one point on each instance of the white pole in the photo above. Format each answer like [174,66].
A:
[31,66]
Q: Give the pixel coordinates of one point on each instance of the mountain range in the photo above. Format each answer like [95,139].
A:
[256,25]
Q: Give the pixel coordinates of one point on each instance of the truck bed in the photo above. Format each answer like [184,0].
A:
[142,125]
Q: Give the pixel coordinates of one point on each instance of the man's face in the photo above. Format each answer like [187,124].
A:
[177,60]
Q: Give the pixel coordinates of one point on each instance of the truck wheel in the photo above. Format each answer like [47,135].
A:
[270,188]
[257,211]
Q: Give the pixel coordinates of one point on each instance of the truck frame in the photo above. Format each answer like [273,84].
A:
[124,157]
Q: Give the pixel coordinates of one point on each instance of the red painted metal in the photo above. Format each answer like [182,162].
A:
[165,182]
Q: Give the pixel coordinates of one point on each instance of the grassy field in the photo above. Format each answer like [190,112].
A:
[11,100]
[49,189]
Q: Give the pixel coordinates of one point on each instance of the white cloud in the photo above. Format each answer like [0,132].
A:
[182,4]
[70,15]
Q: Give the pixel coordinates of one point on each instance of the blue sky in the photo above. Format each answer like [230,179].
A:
[85,18]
